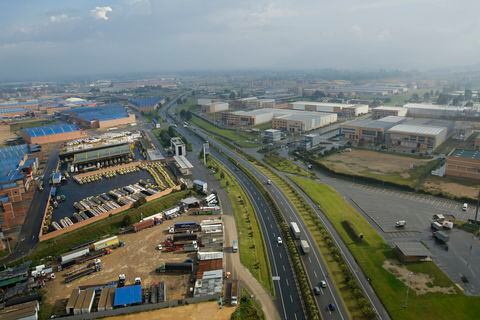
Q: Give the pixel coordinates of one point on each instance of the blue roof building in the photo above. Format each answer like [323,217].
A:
[146,103]
[128,295]
[52,133]
[107,115]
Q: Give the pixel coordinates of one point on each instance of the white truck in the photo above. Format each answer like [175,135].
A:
[234,296]
[305,246]
[295,230]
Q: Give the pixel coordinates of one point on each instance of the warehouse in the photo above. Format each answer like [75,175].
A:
[13,112]
[385,111]
[424,110]
[416,137]
[127,296]
[23,311]
[105,116]
[102,157]
[215,107]
[412,251]
[283,119]
[52,133]
[368,132]
[464,164]
[341,109]
[147,103]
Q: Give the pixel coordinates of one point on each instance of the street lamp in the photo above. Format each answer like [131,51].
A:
[409,280]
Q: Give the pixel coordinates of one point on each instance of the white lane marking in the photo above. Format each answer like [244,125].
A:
[283,266]
[309,260]
[291,299]
[286,281]
[315,274]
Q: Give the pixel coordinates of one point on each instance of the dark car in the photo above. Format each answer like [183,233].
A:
[331,307]
[317,291]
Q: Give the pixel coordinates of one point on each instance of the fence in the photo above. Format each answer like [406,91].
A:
[142,308]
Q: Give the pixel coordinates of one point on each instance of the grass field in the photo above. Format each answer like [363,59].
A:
[371,255]
[29,124]
[397,169]
[243,139]
[253,253]
[110,225]
[249,309]
[285,165]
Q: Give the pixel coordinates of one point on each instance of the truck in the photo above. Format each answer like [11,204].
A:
[183,226]
[106,243]
[234,246]
[209,255]
[139,226]
[295,230]
[441,236]
[305,246]
[180,237]
[200,186]
[84,271]
[234,295]
[175,267]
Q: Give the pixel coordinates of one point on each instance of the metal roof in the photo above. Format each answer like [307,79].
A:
[128,295]
[414,129]
[369,124]
[412,248]
[145,102]
[466,154]
[10,158]
[50,130]
[101,113]
[99,154]
[12,110]
[183,162]
[392,108]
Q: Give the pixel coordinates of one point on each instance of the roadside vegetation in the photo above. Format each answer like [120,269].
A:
[285,165]
[253,254]
[249,308]
[242,139]
[164,135]
[353,297]
[373,252]
[109,226]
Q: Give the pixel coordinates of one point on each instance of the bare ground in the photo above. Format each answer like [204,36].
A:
[139,258]
[198,311]
[358,161]
[419,282]
[456,189]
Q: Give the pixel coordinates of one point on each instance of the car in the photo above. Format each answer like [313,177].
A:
[279,240]
[400,224]
[465,207]
[331,307]
[316,291]
[323,284]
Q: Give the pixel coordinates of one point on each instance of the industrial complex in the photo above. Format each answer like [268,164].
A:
[105,116]
[52,133]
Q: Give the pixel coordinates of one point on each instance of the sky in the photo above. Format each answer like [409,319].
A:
[52,38]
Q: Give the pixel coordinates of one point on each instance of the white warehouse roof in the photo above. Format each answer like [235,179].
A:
[413,129]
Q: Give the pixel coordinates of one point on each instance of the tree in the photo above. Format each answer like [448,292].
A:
[182,114]
[443,98]
[426,96]
[232,95]
[415,97]
[126,221]
[188,115]
[468,94]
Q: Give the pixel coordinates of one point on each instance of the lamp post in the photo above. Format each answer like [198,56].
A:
[409,279]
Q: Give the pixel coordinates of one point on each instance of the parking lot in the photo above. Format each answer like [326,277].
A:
[383,207]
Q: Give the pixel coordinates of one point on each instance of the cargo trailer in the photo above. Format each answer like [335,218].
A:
[295,230]
[305,246]
[175,267]
[143,225]
[72,255]
[110,242]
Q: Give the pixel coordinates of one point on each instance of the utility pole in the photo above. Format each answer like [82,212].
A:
[476,210]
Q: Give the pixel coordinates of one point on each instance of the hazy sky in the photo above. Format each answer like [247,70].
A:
[48,38]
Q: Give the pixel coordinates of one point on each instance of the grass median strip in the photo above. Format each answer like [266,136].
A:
[253,253]
[285,165]
[373,254]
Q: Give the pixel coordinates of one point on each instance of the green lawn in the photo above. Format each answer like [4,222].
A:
[372,252]
[264,126]
[243,139]
[253,253]
[249,309]
[29,124]
[285,165]
[111,225]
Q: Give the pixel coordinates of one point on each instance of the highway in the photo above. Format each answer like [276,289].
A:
[287,293]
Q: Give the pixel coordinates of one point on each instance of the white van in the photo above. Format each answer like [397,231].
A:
[465,207]
[400,224]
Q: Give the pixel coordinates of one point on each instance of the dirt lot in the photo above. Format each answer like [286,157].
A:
[138,258]
[419,282]
[199,311]
[361,161]
[450,187]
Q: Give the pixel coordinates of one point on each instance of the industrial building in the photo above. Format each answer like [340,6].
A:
[411,251]
[368,132]
[101,157]
[215,107]
[23,311]
[417,137]
[272,135]
[52,133]
[425,110]
[105,116]
[463,164]
[341,109]
[146,104]
[385,111]
[310,141]
[181,166]
[282,119]
[13,112]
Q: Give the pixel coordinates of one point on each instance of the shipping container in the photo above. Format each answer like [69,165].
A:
[184,225]
[106,243]
[184,237]
[143,225]
[295,230]
[209,255]
[174,267]
[71,256]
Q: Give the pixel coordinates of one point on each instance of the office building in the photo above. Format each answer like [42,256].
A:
[272,135]
[178,147]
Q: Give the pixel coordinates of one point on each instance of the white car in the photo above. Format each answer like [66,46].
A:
[465,207]
[323,284]
[279,240]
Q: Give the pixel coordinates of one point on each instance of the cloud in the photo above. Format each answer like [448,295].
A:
[357,30]
[100,13]
[63,17]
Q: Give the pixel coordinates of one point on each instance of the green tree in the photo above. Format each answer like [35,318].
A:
[126,221]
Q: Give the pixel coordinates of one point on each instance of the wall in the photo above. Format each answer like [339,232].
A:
[117,122]
[463,168]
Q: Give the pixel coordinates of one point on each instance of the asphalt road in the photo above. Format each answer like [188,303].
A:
[287,293]
[28,236]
